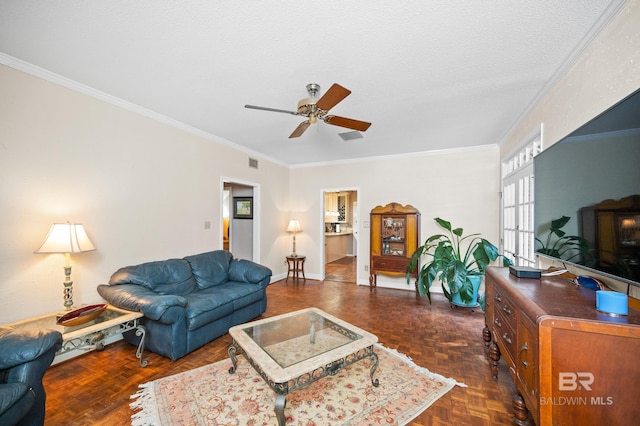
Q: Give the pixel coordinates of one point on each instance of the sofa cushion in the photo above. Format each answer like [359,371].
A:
[206,308]
[216,302]
[211,268]
[246,271]
[242,294]
[172,276]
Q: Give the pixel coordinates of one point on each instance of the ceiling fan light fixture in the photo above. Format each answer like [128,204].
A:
[315,109]
[313,89]
[307,106]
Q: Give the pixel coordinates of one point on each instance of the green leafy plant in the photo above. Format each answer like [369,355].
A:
[452,265]
[562,246]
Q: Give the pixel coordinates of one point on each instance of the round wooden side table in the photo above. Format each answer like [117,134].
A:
[295,266]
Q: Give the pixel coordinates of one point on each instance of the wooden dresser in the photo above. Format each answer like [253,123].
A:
[571,364]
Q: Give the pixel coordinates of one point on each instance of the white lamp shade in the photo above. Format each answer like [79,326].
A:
[66,238]
[294,226]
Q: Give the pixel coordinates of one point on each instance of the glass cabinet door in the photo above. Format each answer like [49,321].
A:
[393,235]
[342,208]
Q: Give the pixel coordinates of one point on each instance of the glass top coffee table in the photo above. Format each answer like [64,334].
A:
[293,350]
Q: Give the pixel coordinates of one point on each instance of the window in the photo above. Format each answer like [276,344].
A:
[517,205]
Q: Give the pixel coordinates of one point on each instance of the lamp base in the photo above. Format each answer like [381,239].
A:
[68,290]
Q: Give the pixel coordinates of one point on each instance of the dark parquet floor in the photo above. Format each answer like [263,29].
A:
[341,270]
[95,388]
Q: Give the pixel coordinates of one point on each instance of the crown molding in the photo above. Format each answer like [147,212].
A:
[611,12]
[409,155]
[54,78]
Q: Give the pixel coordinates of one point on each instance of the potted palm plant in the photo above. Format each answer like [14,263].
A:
[459,270]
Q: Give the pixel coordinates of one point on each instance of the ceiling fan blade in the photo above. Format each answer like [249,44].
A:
[335,94]
[271,109]
[349,123]
[300,129]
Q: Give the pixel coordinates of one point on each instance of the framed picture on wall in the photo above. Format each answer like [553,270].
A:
[243,207]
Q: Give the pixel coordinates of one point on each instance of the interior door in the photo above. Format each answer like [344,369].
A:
[243,231]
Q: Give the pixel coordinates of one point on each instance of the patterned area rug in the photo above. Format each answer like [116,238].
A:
[209,395]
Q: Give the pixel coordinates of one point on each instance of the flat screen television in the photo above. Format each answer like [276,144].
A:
[588,185]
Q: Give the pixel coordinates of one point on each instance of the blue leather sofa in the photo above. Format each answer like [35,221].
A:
[191,301]
[24,358]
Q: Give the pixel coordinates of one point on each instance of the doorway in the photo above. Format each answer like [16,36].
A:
[341,270]
[341,227]
[240,219]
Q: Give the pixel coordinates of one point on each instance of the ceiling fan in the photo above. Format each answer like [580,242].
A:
[317,108]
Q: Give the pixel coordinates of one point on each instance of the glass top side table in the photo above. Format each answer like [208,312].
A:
[92,334]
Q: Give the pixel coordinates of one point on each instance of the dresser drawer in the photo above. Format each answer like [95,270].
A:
[527,362]
[390,263]
[505,336]
[505,307]
[504,324]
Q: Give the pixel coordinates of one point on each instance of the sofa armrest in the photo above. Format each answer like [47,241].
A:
[248,271]
[25,356]
[137,298]
[16,400]
[23,346]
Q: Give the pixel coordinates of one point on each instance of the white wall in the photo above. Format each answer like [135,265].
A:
[459,185]
[606,72]
[142,188]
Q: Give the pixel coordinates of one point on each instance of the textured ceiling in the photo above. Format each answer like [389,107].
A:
[429,75]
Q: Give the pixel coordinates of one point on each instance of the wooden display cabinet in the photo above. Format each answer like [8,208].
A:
[395,234]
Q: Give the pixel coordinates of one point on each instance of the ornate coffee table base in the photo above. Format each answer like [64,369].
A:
[282,389]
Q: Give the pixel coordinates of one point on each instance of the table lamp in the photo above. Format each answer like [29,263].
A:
[294,226]
[66,238]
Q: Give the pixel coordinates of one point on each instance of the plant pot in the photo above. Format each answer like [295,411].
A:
[476,280]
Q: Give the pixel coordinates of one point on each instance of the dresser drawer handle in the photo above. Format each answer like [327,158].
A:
[498,298]
[498,323]
[506,338]
[524,348]
[506,309]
